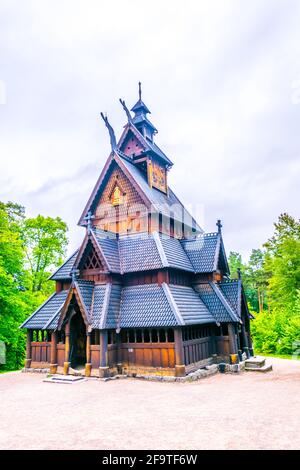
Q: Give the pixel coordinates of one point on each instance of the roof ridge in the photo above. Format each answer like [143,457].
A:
[54,315]
[105,306]
[217,253]
[172,303]
[224,301]
[160,249]
[65,262]
[37,310]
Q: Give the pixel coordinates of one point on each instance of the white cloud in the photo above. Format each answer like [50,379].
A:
[219,77]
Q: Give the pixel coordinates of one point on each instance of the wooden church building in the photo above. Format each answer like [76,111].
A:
[147,292]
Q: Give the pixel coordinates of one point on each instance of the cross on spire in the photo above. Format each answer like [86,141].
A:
[89,217]
[219,225]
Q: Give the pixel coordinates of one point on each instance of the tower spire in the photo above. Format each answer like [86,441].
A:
[140,119]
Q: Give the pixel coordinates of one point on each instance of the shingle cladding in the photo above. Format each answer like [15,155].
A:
[64,272]
[167,204]
[110,250]
[99,295]
[202,252]
[145,306]
[232,292]
[175,254]
[86,289]
[139,253]
[190,306]
[214,304]
[113,311]
[43,315]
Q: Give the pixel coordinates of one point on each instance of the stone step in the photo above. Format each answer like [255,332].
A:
[67,379]
[255,362]
[264,368]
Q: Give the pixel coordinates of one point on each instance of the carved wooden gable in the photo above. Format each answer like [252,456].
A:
[119,204]
[131,145]
[90,260]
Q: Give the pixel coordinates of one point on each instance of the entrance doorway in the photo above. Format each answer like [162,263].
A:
[77,341]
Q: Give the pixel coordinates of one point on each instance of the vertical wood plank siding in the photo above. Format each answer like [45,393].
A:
[148,355]
[40,351]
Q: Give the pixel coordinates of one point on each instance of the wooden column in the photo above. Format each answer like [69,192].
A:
[28,349]
[245,341]
[67,349]
[53,365]
[232,341]
[88,365]
[179,353]
[119,353]
[103,368]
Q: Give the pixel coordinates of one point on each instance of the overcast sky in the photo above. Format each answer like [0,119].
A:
[222,79]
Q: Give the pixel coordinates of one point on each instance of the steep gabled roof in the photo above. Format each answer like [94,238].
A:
[216,302]
[206,252]
[64,272]
[155,201]
[46,313]
[148,145]
[192,309]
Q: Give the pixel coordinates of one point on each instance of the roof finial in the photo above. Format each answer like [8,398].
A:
[239,273]
[129,117]
[113,142]
[140,91]
[219,225]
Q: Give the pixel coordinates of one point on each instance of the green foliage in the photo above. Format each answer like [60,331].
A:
[29,248]
[271,280]
[45,242]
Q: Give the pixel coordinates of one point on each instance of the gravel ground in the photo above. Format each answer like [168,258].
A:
[245,411]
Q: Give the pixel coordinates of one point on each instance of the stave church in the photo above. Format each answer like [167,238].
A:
[148,291]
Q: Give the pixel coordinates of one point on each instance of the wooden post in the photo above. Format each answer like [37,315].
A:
[88,365]
[67,349]
[119,353]
[53,365]
[179,353]
[103,369]
[232,341]
[28,349]
[245,341]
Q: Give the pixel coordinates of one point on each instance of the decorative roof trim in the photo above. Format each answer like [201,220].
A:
[53,317]
[100,252]
[92,238]
[217,253]
[160,249]
[224,301]
[37,310]
[105,306]
[65,307]
[172,304]
[96,189]
[80,300]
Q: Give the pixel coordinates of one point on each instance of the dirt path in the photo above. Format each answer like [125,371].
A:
[246,411]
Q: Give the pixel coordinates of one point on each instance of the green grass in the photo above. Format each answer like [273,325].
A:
[280,356]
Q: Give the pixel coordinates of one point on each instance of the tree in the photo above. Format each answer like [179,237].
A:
[235,263]
[45,244]
[28,249]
